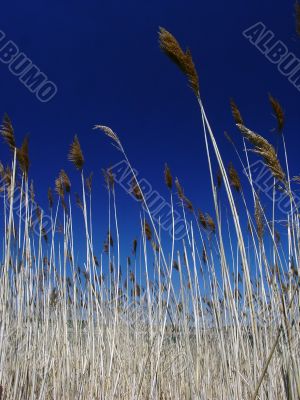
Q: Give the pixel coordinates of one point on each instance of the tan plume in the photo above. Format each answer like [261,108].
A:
[182,59]
[278,112]
[75,154]
[236,112]
[7,132]
[109,132]
[263,148]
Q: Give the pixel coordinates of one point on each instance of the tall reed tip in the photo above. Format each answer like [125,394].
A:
[236,112]
[183,60]
[75,154]
[108,132]
[168,177]
[279,114]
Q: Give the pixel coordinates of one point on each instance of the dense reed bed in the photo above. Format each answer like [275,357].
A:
[217,317]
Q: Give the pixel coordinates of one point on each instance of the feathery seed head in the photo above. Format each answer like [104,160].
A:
[234,178]
[182,59]
[147,230]
[168,177]
[202,219]
[65,180]
[134,246]
[23,156]
[278,113]
[7,132]
[259,219]
[136,189]
[88,182]
[236,112]
[75,154]
[179,189]
[109,178]
[263,148]
[109,132]
[50,197]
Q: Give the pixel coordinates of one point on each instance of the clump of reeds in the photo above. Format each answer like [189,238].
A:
[75,323]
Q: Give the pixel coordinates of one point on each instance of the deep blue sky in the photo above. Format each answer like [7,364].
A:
[105,60]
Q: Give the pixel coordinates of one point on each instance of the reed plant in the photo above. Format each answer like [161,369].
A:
[217,317]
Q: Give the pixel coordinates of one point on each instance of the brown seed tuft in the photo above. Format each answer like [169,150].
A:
[79,201]
[263,148]
[236,113]
[23,156]
[96,261]
[59,187]
[105,247]
[109,178]
[179,189]
[219,179]
[204,255]
[234,178]
[278,113]
[137,290]
[277,237]
[38,214]
[134,246]
[210,223]
[89,181]
[50,197]
[7,132]
[75,154]
[259,219]
[187,203]
[182,59]
[175,265]
[131,277]
[31,190]
[110,239]
[202,219]
[136,189]
[168,177]
[65,180]
[155,246]
[147,230]
[44,234]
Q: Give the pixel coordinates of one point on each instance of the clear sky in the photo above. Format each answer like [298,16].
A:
[104,58]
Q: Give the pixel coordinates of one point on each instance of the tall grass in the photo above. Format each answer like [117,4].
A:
[216,318]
